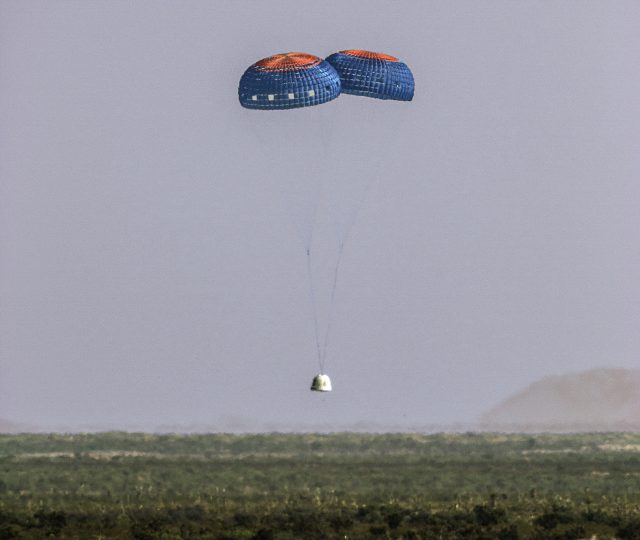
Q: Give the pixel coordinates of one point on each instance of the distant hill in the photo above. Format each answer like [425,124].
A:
[595,400]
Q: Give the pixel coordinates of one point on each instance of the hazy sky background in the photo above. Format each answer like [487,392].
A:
[150,273]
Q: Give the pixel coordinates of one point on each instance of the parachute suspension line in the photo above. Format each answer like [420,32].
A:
[343,241]
[326,129]
[312,291]
[332,302]
[336,270]
[312,296]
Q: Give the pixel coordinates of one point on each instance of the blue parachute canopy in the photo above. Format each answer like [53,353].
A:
[376,75]
[287,81]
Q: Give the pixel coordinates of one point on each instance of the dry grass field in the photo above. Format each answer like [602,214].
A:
[400,486]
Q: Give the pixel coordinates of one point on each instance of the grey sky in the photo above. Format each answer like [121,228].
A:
[150,275]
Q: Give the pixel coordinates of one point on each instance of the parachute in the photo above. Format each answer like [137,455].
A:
[288,81]
[308,168]
[376,75]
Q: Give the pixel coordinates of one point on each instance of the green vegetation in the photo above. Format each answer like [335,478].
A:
[278,486]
